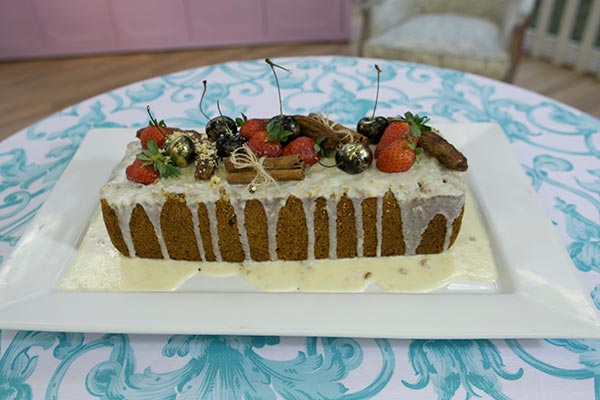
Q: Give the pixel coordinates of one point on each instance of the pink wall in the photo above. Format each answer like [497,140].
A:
[34,28]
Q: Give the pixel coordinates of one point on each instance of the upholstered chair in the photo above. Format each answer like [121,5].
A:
[478,36]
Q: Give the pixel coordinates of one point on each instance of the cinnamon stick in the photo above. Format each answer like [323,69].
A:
[244,176]
[335,134]
[292,161]
[444,151]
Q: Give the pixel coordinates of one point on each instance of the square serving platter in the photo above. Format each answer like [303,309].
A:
[540,293]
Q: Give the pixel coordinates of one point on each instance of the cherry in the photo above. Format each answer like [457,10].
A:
[283,122]
[217,126]
[372,127]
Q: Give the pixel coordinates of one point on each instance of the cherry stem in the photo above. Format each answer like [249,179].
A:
[273,65]
[223,120]
[202,99]
[327,166]
[377,94]
[154,121]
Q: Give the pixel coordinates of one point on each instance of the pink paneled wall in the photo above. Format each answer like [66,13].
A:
[35,28]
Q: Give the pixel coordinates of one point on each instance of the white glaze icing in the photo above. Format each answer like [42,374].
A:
[422,192]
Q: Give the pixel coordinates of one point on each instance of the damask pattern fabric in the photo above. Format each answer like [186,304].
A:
[557,146]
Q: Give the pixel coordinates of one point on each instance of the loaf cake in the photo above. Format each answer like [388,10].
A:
[327,214]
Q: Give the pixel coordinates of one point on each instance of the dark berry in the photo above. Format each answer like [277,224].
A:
[219,126]
[372,128]
[284,123]
[226,144]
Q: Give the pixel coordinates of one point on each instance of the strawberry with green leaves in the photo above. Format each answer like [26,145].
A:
[262,146]
[407,127]
[156,131]
[396,157]
[150,165]
[249,127]
[305,148]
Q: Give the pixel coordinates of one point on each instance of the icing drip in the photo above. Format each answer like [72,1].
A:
[332,219]
[153,214]
[272,211]
[238,209]
[358,216]
[309,211]
[196,223]
[123,213]
[378,220]
[214,233]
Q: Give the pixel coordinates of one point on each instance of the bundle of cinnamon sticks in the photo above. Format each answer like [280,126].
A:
[284,168]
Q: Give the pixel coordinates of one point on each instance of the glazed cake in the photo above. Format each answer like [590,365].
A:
[328,214]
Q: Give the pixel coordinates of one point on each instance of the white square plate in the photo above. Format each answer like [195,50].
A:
[540,295]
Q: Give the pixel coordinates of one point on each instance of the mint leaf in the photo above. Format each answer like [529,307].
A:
[276,132]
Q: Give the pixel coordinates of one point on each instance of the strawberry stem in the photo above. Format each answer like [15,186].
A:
[273,65]
[377,93]
[202,99]
[154,122]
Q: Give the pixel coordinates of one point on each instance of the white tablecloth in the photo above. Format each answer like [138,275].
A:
[557,146]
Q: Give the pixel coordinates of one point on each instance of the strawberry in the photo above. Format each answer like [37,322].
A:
[153,133]
[305,148]
[248,127]
[262,147]
[395,131]
[396,157]
[140,173]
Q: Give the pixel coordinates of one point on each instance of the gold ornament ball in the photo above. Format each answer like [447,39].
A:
[181,150]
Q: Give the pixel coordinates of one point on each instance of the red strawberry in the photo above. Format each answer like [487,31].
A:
[259,145]
[153,133]
[305,148]
[251,126]
[140,173]
[396,157]
[396,130]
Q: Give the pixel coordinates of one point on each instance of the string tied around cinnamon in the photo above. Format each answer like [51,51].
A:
[335,127]
[244,157]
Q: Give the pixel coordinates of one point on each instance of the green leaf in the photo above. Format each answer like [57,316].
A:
[152,146]
[276,132]
[241,121]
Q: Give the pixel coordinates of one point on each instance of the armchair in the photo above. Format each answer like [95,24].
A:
[478,36]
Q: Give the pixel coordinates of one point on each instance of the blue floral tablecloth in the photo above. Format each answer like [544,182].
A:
[557,146]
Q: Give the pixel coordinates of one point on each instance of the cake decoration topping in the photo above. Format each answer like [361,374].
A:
[140,172]
[445,152]
[155,130]
[180,148]
[396,157]
[373,127]
[162,163]
[260,144]
[317,126]
[221,125]
[281,126]
[353,158]
[249,127]
[245,167]
[304,147]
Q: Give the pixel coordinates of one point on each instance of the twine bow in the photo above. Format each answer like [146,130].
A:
[244,157]
[335,127]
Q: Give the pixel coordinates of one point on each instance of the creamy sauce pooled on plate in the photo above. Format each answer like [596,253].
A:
[469,263]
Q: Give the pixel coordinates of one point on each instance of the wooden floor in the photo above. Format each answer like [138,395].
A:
[33,89]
